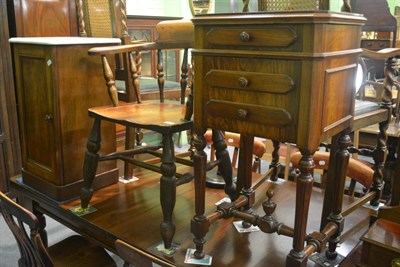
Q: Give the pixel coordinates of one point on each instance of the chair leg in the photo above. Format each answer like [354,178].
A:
[379,156]
[275,164]
[130,136]
[168,190]
[90,163]
[225,165]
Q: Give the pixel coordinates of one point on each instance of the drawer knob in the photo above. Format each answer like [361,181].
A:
[48,117]
[242,113]
[243,82]
[244,36]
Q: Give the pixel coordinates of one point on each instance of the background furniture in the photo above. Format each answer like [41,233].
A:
[10,155]
[72,251]
[379,30]
[60,75]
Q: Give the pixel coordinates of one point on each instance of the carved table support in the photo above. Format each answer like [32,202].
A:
[342,159]
[199,223]
[297,257]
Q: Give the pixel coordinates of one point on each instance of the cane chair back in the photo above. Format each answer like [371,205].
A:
[292,5]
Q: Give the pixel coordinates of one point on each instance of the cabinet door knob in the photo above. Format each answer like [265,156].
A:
[244,36]
[48,117]
[242,113]
[243,82]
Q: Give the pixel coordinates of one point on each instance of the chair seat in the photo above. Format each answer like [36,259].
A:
[155,116]
[362,107]
[78,251]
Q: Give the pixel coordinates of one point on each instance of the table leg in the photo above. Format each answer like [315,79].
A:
[245,169]
[199,223]
[342,160]
[297,257]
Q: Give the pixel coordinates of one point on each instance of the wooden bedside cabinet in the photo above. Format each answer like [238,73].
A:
[287,77]
[56,82]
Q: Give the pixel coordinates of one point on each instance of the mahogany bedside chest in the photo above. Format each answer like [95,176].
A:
[284,76]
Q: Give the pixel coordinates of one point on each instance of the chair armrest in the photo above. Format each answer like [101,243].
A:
[111,50]
[381,54]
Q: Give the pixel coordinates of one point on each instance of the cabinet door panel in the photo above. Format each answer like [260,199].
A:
[38,116]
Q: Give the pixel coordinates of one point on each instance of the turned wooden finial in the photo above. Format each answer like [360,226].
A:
[269,206]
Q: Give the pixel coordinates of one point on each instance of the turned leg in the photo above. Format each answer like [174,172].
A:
[297,257]
[199,223]
[90,164]
[168,190]
[342,160]
[244,174]
[245,169]
[330,183]
[225,166]
[42,225]
[130,136]
[379,156]
[275,161]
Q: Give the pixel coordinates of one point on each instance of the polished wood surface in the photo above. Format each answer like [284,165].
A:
[58,74]
[10,155]
[45,18]
[137,208]
[381,243]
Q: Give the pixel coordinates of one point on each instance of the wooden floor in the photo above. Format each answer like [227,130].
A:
[132,212]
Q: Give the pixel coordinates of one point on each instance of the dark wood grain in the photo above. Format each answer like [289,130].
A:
[10,155]
[139,214]
[45,18]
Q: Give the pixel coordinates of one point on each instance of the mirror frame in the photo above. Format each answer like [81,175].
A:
[210,4]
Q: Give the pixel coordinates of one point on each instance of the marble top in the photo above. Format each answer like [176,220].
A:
[64,40]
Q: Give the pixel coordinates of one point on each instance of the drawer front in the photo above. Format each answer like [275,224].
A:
[263,99]
[251,37]
[375,44]
[249,113]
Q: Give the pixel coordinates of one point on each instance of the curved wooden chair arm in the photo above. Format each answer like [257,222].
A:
[381,54]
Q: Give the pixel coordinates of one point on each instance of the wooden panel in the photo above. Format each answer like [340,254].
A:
[45,18]
[252,36]
[10,155]
[35,128]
